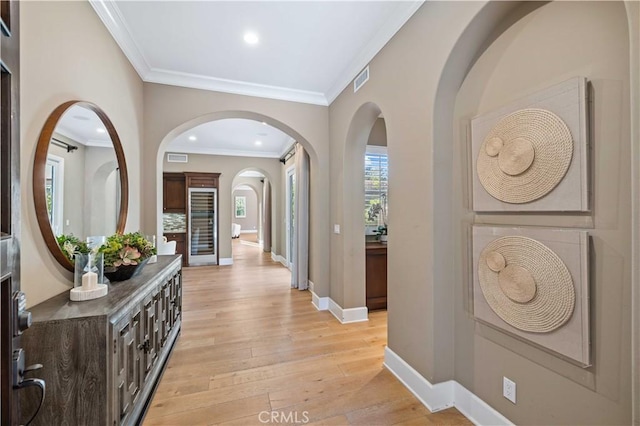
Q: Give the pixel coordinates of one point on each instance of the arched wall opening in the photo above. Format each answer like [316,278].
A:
[474,81]
[257,185]
[353,202]
[231,170]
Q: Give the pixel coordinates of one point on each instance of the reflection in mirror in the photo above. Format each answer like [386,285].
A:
[81,181]
[54,187]
[79,178]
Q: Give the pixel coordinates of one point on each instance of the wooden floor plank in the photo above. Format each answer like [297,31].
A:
[252,348]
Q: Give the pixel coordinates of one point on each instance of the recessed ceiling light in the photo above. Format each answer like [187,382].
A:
[101,130]
[193,138]
[251,38]
[258,142]
[264,123]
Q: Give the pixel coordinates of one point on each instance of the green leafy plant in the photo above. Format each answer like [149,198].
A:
[382,230]
[70,244]
[126,249]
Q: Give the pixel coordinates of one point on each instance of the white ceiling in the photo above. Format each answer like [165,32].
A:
[84,127]
[233,136]
[309,51]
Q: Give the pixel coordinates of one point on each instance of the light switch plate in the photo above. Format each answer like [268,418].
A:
[336,228]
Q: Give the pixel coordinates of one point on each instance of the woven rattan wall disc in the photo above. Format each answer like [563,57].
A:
[534,292]
[524,156]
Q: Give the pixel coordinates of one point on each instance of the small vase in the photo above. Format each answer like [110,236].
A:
[81,266]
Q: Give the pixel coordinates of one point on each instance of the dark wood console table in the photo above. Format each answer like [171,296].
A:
[102,358]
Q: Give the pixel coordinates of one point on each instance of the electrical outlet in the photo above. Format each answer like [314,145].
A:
[336,228]
[509,389]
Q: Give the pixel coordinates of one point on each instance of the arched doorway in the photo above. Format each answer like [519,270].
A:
[254,183]
[229,169]
[353,199]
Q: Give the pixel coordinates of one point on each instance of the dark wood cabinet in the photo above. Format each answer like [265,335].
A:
[174,193]
[181,244]
[202,180]
[376,276]
[102,359]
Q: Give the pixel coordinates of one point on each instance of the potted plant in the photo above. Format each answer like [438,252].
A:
[382,233]
[70,245]
[125,255]
[379,211]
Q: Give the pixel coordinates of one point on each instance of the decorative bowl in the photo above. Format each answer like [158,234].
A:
[124,272]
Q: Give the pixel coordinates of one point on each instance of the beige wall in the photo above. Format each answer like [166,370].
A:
[67,53]
[633,13]
[169,111]
[230,167]
[405,85]
[534,53]
[73,186]
[378,135]
[430,325]
[100,197]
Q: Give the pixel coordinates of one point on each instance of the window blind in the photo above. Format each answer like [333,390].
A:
[376,180]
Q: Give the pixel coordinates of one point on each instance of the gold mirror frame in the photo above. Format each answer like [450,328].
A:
[39,170]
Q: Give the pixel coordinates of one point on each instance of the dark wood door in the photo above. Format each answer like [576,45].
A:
[174,193]
[9,205]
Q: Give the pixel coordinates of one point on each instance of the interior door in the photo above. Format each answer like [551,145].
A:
[14,319]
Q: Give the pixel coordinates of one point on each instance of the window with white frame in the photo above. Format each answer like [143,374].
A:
[54,188]
[376,182]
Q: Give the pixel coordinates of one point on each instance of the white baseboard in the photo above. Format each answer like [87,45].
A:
[475,409]
[320,303]
[278,258]
[225,261]
[347,315]
[250,231]
[443,395]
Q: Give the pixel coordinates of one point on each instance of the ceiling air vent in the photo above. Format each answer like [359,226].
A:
[361,79]
[177,158]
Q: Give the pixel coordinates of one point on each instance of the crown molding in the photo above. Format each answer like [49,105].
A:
[110,15]
[195,81]
[377,42]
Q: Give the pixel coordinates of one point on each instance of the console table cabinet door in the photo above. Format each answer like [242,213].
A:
[124,343]
[149,325]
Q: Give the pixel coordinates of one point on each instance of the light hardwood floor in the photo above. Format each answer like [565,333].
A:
[253,351]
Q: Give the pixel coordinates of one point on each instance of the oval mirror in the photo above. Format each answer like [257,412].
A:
[80,184]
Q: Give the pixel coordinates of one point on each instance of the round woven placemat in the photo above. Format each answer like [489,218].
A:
[513,172]
[554,299]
